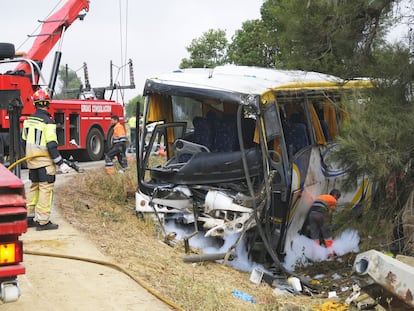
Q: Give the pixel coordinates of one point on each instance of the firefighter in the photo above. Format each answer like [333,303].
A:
[40,142]
[317,225]
[119,146]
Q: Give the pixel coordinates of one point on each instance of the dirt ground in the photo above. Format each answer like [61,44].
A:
[197,286]
[54,280]
[153,274]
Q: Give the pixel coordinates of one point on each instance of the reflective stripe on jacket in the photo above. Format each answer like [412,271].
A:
[39,135]
[323,203]
[119,134]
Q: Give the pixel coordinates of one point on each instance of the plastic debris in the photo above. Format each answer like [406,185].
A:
[336,276]
[256,276]
[356,292]
[243,296]
[331,306]
[314,282]
[295,283]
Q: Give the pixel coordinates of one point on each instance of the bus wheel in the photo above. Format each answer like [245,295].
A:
[95,145]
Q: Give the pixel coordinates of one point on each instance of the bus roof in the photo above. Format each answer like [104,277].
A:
[231,82]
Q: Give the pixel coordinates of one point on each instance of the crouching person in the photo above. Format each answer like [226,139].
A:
[318,224]
[119,146]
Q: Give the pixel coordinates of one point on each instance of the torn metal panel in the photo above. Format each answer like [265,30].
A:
[386,279]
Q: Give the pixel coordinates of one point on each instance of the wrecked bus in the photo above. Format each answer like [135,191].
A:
[245,150]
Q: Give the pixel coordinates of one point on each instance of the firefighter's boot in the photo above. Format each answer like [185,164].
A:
[109,166]
[31,222]
[48,226]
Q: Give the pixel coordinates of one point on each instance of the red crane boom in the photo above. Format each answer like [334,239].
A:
[52,30]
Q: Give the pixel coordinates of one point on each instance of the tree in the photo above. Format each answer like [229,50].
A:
[326,36]
[250,46]
[208,51]
[70,84]
[131,106]
[377,140]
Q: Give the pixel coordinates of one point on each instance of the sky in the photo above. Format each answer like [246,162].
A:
[153,34]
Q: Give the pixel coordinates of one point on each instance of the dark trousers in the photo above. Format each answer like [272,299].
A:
[133,137]
[318,229]
[117,150]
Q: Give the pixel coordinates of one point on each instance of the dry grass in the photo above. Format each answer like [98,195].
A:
[102,206]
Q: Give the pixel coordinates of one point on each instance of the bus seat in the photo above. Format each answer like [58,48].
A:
[297,136]
[226,138]
[204,132]
[296,117]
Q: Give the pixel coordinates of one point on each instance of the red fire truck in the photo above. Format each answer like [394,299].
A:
[13,223]
[83,125]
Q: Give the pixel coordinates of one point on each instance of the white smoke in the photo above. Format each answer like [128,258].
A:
[211,245]
[302,252]
[305,250]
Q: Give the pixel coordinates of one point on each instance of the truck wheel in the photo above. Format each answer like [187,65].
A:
[95,145]
[7,50]
[109,136]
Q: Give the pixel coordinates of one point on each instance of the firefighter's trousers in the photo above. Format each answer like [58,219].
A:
[40,196]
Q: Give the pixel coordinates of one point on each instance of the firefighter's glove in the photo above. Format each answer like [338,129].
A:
[64,168]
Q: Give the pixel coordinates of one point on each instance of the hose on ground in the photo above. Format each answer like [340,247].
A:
[111,265]
[95,261]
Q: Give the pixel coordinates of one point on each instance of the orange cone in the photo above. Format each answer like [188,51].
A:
[110,170]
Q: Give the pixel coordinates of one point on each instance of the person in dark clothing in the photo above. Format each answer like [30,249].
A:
[119,146]
[318,223]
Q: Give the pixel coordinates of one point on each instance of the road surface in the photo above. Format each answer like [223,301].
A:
[52,283]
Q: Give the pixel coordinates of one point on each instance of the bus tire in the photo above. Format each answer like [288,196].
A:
[7,50]
[95,145]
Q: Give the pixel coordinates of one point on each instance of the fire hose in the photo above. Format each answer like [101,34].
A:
[110,265]
[69,163]
[100,262]
[13,165]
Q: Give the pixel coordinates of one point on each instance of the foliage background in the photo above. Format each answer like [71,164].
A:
[346,39]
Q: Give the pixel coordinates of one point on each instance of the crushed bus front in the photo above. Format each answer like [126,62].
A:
[247,150]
